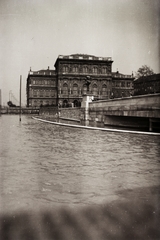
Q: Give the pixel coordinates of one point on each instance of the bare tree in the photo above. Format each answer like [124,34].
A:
[144,71]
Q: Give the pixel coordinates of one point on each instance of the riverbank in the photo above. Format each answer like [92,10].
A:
[61,122]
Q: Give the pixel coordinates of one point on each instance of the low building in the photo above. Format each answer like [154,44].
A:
[122,85]
[41,88]
[147,85]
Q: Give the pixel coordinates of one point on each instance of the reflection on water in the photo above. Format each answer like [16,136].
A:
[45,165]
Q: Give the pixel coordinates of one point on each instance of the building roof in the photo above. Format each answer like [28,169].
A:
[84,56]
[153,77]
[118,75]
[42,72]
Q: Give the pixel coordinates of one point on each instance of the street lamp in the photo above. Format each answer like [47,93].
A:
[10,95]
[88,82]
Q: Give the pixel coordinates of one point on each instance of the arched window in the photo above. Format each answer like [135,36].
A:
[41,93]
[75,69]
[35,103]
[116,94]
[122,84]
[84,89]
[47,93]
[65,102]
[65,68]
[52,93]
[85,69]
[65,89]
[75,89]
[128,84]
[34,93]
[104,70]
[95,70]
[76,103]
[104,90]
[95,90]
[117,84]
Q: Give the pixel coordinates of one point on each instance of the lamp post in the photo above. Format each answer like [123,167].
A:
[88,82]
[68,96]
[10,95]
[20,97]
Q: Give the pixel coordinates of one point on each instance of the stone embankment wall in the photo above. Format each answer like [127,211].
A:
[16,110]
[74,114]
[48,111]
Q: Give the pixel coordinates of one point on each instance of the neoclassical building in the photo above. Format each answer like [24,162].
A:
[41,88]
[66,85]
[72,72]
[122,85]
[147,84]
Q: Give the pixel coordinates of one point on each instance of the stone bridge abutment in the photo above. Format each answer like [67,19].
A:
[136,112]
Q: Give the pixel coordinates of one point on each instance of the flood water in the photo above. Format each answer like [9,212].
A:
[44,165]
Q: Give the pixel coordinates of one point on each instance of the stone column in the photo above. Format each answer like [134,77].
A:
[85,104]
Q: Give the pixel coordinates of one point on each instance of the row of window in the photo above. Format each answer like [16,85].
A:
[147,88]
[146,84]
[85,69]
[119,94]
[66,91]
[75,91]
[41,102]
[50,82]
[42,93]
[42,90]
[121,84]
[43,82]
[65,85]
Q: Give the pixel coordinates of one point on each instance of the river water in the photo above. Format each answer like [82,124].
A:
[44,165]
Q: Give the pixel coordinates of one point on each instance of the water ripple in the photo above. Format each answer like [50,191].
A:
[46,164]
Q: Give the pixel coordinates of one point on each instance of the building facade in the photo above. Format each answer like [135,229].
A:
[147,85]
[122,85]
[68,82]
[72,73]
[41,88]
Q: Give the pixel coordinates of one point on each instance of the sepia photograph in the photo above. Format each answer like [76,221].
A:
[79,119]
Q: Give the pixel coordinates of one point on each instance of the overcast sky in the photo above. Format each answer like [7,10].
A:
[34,32]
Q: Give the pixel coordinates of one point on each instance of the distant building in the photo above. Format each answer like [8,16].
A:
[147,85]
[67,83]
[41,88]
[122,85]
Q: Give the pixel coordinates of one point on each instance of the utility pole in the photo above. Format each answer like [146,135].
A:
[20,98]
[0,101]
